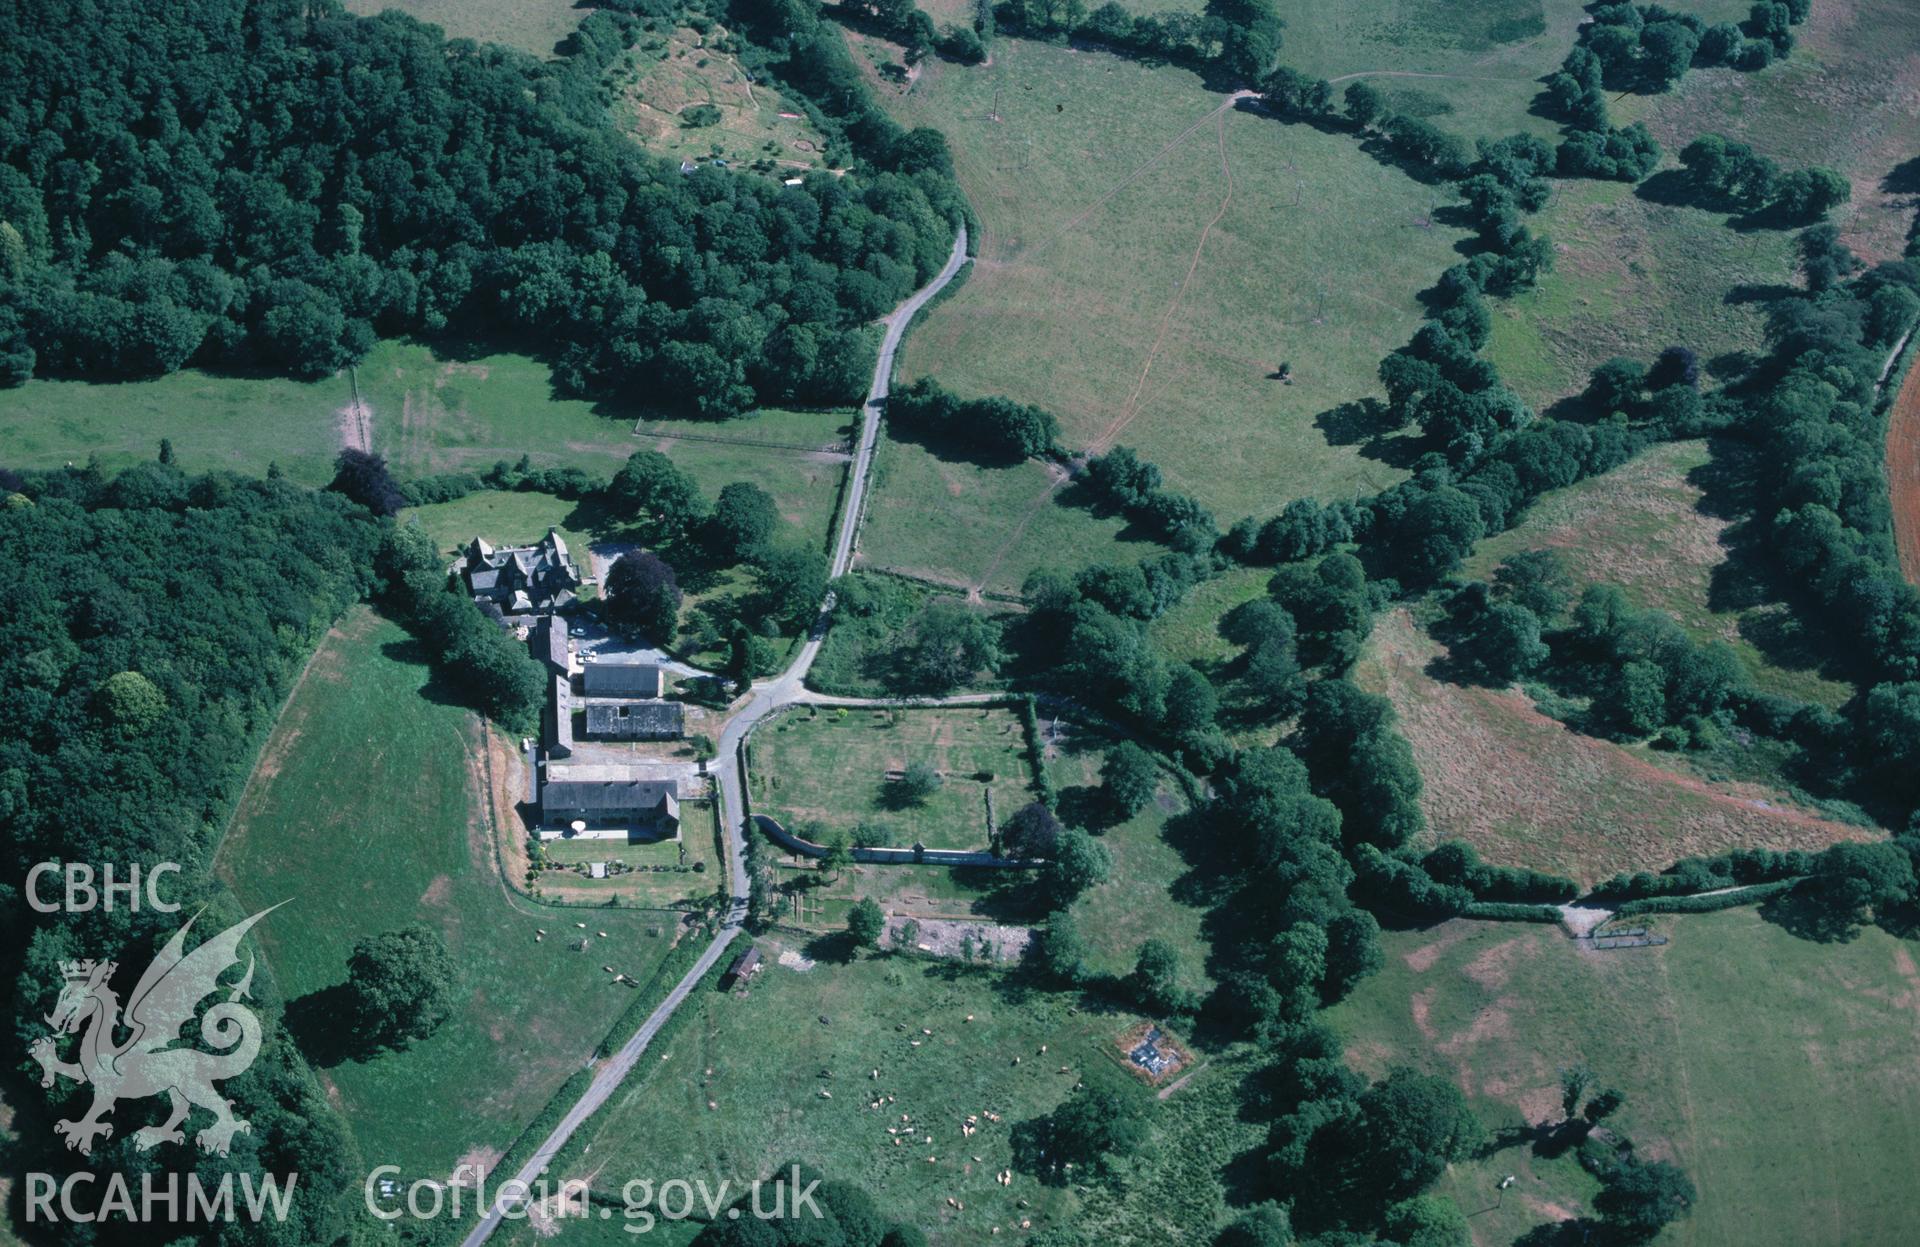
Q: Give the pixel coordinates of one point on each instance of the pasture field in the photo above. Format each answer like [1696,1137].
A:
[1640,268]
[722,1102]
[433,414]
[918,891]
[232,423]
[978,527]
[671,72]
[429,412]
[1526,790]
[365,810]
[1150,254]
[836,766]
[1469,68]
[1778,1072]
[1189,631]
[1844,99]
[533,26]
[1633,277]
[1656,527]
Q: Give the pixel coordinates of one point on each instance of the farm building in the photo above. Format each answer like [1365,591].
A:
[635,720]
[521,579]
[548,642]
[646,806]
[609,678]
[742,968]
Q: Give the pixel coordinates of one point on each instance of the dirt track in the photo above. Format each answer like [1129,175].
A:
[1903,472]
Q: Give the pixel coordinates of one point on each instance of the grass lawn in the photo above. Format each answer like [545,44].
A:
[533,26]
[1780,1073]
[1149,255]
[830,766]
[1526,790]
[1655,529]
[504,518]
[652,878]
[399,835]
[722,1103]
[671,71]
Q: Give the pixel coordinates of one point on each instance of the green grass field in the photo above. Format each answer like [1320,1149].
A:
[238,424]
[1149,255]
[503,518]
[364,812]
[1652,528]
[533,26]
[980,527]
[1781,1074]
[766,1106]
[1633,278]
[830,766]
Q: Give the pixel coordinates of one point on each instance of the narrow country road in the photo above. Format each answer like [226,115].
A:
[764,698]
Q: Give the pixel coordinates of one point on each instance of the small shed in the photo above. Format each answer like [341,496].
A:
[742,968]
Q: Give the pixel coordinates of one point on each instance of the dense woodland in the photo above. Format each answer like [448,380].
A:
[155,625]
[272,184]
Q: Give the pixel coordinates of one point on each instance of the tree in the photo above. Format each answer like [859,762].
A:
[1130,778]
[1094,1122]
[643,596]
[1365,104]
[1032,831]
[654,488]
[1059,951]
[1635,698]
[1408,1129]
[1155,982]
[1190,704]
[1079,862]
[837,857]
[1505,643]
[918,782]
[1263,1225]
[400,985]
[1537,580]
[1427,1221]
[130,701]
[946,646]
[793,580]
[1639,1200]
[363,477]
[744,517]
[865,922]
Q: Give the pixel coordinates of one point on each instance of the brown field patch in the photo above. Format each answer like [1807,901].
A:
[1524,789]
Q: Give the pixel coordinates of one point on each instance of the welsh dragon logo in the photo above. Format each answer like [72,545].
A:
[146,1064]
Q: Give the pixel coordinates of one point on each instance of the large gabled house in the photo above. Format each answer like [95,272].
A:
[521,579]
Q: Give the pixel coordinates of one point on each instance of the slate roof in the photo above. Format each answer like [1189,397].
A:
[636,720]
[622,679]
[608,796]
